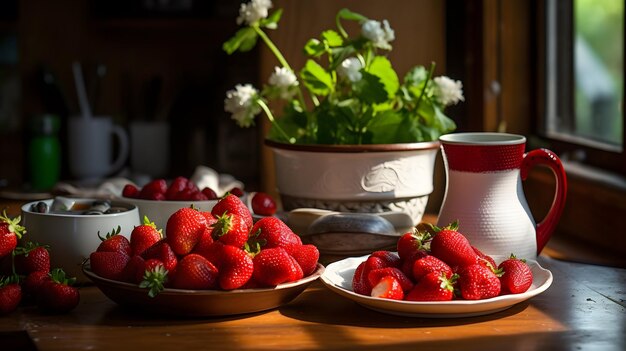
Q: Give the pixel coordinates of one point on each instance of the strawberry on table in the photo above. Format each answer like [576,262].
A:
[452,247]
[427,264]
[307,257]
[263,204]
[516,277]
[57,294]
[478,282]
[232,204]
[231,229]
[32,257]
[434,286]
[271,232]
[388,287]
[113,241]
[31,285]
[10,232]
[109,264]
[10,295]
[273,266]
[195,272]
[184,229]
[143,236]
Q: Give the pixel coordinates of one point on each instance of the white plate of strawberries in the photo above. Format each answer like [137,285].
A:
[436,274]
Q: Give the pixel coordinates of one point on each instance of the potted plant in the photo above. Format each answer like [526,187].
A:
[353,136]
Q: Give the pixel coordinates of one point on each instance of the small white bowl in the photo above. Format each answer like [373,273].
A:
[160,211]
[71,236]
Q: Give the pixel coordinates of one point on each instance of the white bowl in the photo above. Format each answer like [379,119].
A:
[160,211]
[72,236]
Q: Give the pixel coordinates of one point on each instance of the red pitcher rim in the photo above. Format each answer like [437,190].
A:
[482,138]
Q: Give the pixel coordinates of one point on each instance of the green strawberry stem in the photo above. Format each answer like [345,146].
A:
[154,280]
[14,224]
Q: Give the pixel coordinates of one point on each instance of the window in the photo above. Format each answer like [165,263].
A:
[584,81]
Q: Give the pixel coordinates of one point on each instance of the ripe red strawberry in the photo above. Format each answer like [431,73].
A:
[154,277]
[10,295]
[210,193]
[485,259]
[184,229]
[274,266]
[195,272]
[236,191]
[360,282]
[413,244]
[32,258]
[231,229]
[32,285]
[210,219]
[108,264]
[263,204]
[143,236]
[130,191]
[163,252]
[235,267]
[114,242]
[388,287]
[10,231]
[452,247]
[477,282]
[307,257]
[206,239]
[176,186]
[391,259]
[271,232]
[232,204]
[434,286]
[374,276]
[516,277]
[133,272]
[57,294]
[154,190]
[428,264]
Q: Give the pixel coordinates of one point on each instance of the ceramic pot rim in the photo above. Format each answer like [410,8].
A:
[427,145]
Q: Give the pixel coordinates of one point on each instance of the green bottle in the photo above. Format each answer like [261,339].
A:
[44,153]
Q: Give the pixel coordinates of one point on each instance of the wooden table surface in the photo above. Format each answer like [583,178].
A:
[584,309]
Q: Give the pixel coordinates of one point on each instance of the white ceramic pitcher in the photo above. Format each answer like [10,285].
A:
[484,192]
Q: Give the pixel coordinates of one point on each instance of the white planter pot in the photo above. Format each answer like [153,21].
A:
[356,178]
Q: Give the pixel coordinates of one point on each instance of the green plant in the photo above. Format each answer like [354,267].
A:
[355,95]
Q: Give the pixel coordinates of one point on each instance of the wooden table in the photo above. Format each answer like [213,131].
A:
[583,309]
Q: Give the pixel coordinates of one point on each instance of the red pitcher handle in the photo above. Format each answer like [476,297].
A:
[545,157]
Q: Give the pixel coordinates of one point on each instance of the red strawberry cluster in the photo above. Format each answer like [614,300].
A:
[439,264]
[25,275]
[180,189]
[222,249]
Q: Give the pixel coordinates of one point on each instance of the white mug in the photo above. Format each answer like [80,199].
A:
[91,147]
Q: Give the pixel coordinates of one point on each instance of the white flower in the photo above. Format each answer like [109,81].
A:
[241,103]
[350,68]
[253,11]
[448,91]
[285,81]
[379,34]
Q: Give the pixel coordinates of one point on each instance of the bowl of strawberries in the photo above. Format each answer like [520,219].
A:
[208,263]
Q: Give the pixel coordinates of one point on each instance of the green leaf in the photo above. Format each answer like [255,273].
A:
[351,16]
[332,38]
[384,127]
[314,48]
[316,79]
[381,67]
[370,89]
[244,40]
[271,22]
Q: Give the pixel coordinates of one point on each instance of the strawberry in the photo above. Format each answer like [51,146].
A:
[307,257]
[195,272]
[154,190]
[388,287]
[236,191]
[516,277]
[32,285]
[143,236]
[57,294]
[154,277]
[232,204]
[452,247]
[206,239]
[263,204]
[184,229]
[434,286]
[413,244]
[10,231]
[163,252]
[428,264]
[391,259]
[32,257]
[210,193]
[360,282]
[114,242]
[176,186]
[109,264]
[485,259]
[477,281]
[130,191]
[374,276]
[133,272]
[274,266]
[10,295]
[231,229]
[235,267]
[210,219]
[269,232]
